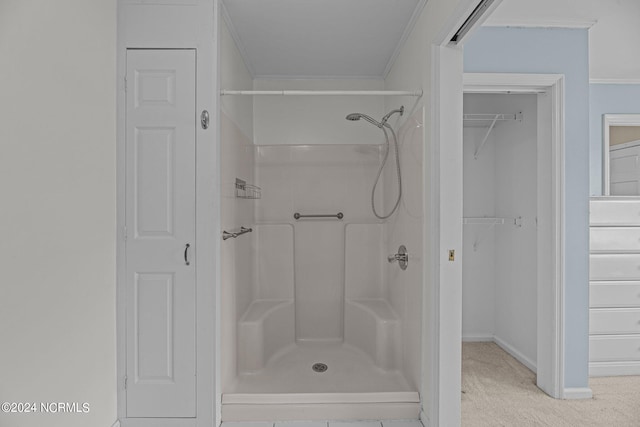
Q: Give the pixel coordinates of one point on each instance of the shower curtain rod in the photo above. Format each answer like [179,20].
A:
[323,92]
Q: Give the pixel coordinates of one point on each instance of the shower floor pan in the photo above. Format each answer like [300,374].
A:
[351,387]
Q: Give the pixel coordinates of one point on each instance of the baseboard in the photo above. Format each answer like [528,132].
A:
[613,369]
[577,393]
[116,424]
[477,338]
[515,353]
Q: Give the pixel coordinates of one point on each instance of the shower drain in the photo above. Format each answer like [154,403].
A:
[319,367]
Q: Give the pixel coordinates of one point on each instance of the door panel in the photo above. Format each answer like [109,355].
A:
[160,218]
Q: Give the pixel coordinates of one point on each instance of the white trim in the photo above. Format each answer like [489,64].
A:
[515,353]
[609,369]
[478,338]
[116,424]
[536,23]
[446,235]
[577,393]
[509,82]
[550,353]
[609,120]
[614,81]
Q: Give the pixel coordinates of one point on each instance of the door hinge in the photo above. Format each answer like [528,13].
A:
[124,233]
[125,382]
[125,83]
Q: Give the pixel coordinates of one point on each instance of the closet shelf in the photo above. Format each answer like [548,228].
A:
[478,118]
[490,120]
[489,222]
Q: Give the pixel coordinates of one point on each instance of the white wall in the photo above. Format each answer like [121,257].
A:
[613,35]
[237,161]
[316,119]
[57,180]
[499,276]
[478,273]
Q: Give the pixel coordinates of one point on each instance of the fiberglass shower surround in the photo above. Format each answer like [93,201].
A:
[315,313]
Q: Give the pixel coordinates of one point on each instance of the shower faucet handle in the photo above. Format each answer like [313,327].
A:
[402,257]
[398,257]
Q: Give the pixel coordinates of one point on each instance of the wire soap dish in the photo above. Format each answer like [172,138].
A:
[247,191]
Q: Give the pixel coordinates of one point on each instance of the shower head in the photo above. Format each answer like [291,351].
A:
[357,116]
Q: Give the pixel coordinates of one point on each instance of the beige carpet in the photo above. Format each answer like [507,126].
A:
[497,390]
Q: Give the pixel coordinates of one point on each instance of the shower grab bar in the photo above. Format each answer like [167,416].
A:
[339,215]
[243,230]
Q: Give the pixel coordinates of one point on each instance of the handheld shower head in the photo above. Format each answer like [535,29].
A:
[357,116]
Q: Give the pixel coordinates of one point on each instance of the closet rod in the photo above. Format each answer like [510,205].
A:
[323,92]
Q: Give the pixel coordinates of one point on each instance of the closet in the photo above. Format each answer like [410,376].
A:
[499,281]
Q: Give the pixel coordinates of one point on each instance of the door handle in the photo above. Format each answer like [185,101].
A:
[186,253]
[204,119]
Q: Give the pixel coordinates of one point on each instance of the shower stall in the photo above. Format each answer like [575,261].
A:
[321,297]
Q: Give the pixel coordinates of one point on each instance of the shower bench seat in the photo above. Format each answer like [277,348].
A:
[373,326]
[264,318]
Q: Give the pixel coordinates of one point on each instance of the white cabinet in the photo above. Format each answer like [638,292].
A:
[614,289]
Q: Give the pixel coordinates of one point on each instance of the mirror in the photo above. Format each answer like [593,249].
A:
[621,155]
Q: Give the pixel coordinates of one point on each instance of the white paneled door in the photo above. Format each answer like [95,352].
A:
[160,234]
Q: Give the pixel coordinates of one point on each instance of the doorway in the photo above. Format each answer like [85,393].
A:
[548,220]
[499,273]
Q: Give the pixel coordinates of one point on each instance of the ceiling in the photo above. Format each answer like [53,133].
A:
[320,38]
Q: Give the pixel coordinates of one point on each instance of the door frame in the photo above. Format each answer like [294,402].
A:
[609,120]
[551,289]
[193,26]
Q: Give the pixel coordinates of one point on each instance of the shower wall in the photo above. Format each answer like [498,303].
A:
[316,280]
[316,119]
[405,228]
[316,179]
